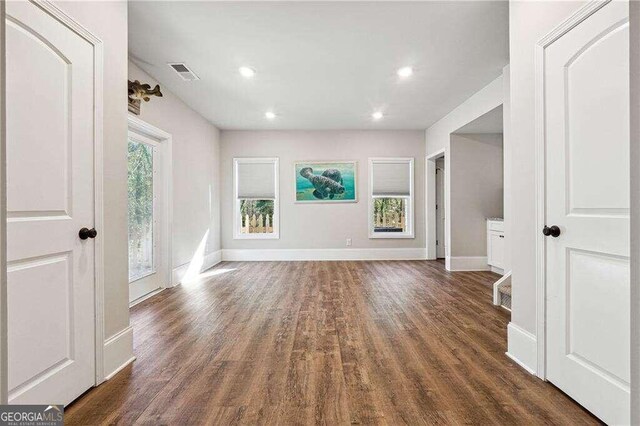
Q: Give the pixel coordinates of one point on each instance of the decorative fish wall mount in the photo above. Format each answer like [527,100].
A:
[139,92]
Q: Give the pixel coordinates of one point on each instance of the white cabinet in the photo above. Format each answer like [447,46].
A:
[495,245]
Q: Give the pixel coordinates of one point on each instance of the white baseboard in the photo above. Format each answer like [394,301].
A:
[324,254]
[522,347]
[467,263]
[118,352]
[145,297]
[496,270]
[209,261]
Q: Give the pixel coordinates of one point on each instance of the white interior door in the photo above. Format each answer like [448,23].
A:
[50,197]
[146,219]
[586,79]
[440,209]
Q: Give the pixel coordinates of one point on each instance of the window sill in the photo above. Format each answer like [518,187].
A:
[256,237]
[390,235]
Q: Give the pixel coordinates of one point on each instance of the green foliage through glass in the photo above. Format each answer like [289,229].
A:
[140,211]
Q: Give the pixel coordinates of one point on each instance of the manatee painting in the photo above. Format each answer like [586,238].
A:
[326,181]
[327,185]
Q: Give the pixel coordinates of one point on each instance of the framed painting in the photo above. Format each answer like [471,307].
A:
[326,181]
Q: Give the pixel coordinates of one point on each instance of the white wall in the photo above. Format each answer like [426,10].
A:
[438,137]
[507,168]
[634,45]
[476,190]
[321,226]
[196,180]
[108,21]
[3,231]
[528,22]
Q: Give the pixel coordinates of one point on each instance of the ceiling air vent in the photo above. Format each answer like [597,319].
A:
[185,73]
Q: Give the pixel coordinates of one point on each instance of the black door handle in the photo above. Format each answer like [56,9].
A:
[554,231]
[87,233]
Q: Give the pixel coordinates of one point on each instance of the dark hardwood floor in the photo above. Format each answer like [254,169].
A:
[325,343]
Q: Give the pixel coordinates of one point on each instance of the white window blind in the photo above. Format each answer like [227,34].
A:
[256,180]
[391,178]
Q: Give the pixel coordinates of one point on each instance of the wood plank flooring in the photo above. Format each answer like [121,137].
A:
[324,343]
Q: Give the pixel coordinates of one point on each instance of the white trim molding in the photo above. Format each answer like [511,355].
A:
[118,352]
[467,263]
[209,261]
[522,347]
[540,127]
[324,254]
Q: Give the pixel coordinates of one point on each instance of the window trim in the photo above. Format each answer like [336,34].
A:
[275,235]
[409,200]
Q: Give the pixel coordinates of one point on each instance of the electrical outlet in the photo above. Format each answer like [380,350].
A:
[348,242]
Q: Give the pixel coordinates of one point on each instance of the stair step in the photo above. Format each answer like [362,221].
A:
[505,289]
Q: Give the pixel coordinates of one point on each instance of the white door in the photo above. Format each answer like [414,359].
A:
[145,182]
[586,80]
[440,212]
[50,197]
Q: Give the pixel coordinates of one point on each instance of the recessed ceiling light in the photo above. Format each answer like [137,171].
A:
[405,72]
[270,115]
[377,115]
[247,72]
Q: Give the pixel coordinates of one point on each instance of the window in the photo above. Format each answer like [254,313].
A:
[391,198]
[256,204]
[140,184]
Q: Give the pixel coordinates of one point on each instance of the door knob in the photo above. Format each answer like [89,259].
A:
[87,233]
[554,231]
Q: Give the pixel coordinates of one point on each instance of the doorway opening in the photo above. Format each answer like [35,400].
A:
[148,178]
[436,205]
[440,209]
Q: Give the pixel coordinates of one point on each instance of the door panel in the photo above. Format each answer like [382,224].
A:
[496,249]
[46,192]
[587,177]
[596,307]
[50,196]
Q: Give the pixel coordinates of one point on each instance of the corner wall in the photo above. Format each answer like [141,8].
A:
[196,168]
[438,137]
[322,226]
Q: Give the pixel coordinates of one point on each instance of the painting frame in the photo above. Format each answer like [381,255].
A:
[297,164]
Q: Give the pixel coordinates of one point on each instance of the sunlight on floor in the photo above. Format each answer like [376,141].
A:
[200,278]
[195,265]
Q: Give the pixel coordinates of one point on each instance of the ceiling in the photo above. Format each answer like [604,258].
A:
[322,65]
[491,122]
